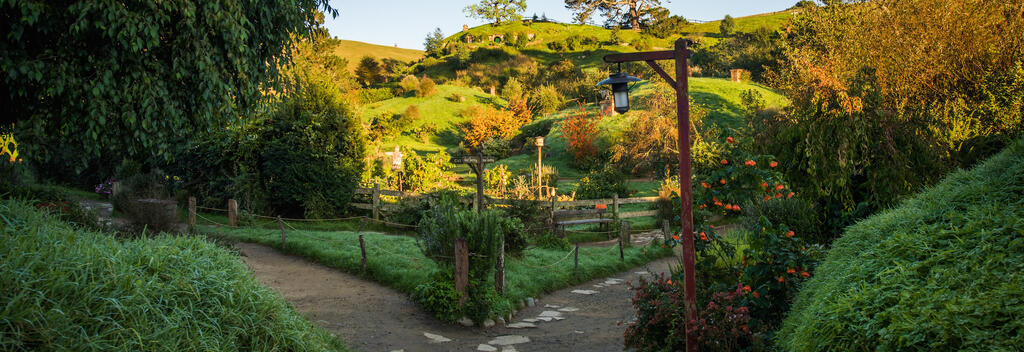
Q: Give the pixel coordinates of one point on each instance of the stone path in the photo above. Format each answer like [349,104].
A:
[371,317]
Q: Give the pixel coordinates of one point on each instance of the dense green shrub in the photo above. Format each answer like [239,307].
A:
[373,95]
[800,215]
[426,88]
[439,296]
[602,183]
[547,99]
[68,289]
[409,84]
[941,271]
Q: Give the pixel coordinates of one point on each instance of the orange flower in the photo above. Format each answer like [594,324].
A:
[662,246]
[703,236]
[790,234]
[756,295]
[724,162]
[722,181]
[705,184]
[718,203]
[675,238]
[746,288]
[736,207]
[714,199]
[790,271]
[764,184]
[702,206]
[729,139]
[779,187]
[669,282]
[778,195]
[790,195]
[766,198]
[805,274]
[728,207]
[750,163]
[773,164]
[782,279]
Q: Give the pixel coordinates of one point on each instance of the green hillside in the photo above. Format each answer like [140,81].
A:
[944,270]
[773,20]
[353,51]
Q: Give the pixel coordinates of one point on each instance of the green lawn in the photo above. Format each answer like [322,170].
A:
[773,20]
[353,51]
[396,261]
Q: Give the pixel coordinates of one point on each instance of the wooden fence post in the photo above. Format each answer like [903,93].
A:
[281,223]
[499,272]
[615,205]
[376,201]
[191,212]
[232,213]
[622,255]
[362,248]
[576,266]
[666,230]
[461,269]
[624,237]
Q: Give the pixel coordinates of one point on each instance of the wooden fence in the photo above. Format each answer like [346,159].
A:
[376,204]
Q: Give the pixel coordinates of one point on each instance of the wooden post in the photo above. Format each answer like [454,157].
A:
[622,255]
[232,213]
[281,223]
[666,230]
[499,272]
[461,269]
[615,206]
[191,212]
[576,266]
[376,201]
[362,248]
[624,237]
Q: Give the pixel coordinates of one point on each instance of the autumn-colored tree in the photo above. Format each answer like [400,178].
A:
[486,123]
[580,130]
[650,144]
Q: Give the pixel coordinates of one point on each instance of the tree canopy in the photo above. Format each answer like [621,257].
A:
[433,43]
[631,12]
[497,11]
[86,80]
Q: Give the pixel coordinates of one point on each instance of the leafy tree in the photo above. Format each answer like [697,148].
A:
[89,82]
[427,87]
[497,11]
[369,71]
[486,123]
[630,12]
[727,26]
[409,84]
[434,43]
[580,131]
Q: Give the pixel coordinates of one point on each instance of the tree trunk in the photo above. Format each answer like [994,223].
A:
[634,15]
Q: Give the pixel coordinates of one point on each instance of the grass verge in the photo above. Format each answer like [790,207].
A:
[69,289]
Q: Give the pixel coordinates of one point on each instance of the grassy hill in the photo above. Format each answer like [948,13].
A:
[353,51]
[772,20]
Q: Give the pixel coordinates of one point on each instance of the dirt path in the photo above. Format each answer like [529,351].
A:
[371,317]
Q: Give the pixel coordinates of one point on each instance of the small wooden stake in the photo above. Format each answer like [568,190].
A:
[362,247]
[622,256]
[576,267]
[461,269]
[615,206]
[191,212]
[232,213]
[281,223]
[666,230]
[624,234]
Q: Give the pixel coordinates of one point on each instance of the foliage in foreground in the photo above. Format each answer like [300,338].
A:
[69,289]
[944,270]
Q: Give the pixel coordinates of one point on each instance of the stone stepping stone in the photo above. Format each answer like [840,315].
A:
[505,340]
[642,273]
[544,318]
[558,318]
[509,349]
[551,306]
[613,281]
[530,320]
[568,309]
[550,313]
[584,292]
[521,325]
[436,338]
[486,348]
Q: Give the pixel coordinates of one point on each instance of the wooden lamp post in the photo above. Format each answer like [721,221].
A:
[619,83]
[540,145]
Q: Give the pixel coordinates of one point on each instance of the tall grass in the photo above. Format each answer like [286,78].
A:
[63,288]
[396,261]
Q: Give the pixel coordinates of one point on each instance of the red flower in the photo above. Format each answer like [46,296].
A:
[746,288]
[669,282]
[790,271]
[764,184]
[675,238]
[722,181]
[724,162]
[778,195]
[728,207]
[736,207]
[805,274]
[750,163]
[729,139]
[773,164]
[790,195]
[779,187]
[756,295]
[766,198]
[718,203]
[703,236]
[790,234]
[705,184]
[702,206]
[782,279]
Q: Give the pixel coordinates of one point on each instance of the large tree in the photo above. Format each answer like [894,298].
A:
[497,11]
[84,81]
[631,12]
[434,42]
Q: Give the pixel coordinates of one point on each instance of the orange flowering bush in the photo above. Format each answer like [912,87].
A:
[726,187]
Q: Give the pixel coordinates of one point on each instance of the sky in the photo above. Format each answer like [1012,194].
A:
[407,22]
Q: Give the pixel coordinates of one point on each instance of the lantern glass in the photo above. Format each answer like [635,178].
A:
[621,100]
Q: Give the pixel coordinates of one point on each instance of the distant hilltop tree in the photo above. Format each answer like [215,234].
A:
[369,71]
[727,26]
[629,12]
[497,11]
[434,42]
